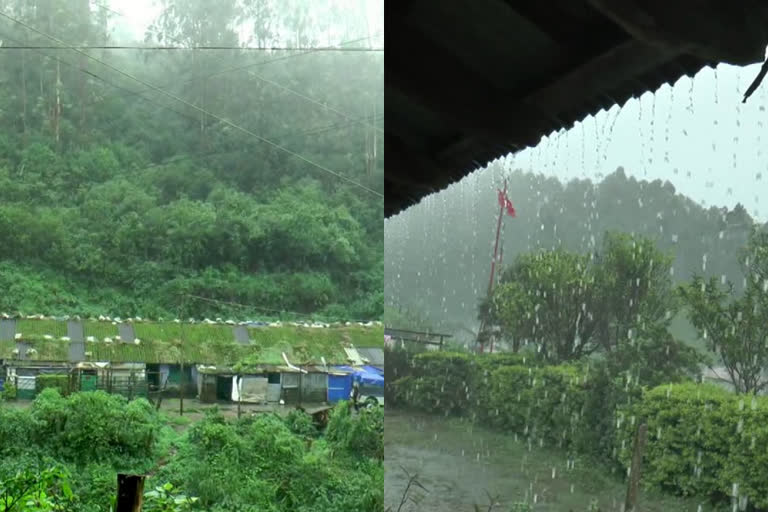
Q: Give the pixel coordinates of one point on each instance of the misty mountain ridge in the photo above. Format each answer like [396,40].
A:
[455,238]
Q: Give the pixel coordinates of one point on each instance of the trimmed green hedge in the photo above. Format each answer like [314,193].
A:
[701,441]
[61,383]
[545,404]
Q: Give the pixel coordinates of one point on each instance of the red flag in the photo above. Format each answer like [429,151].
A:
[505,202]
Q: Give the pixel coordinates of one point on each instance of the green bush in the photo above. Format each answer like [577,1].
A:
[259,464]
[59,382]
[94,426]
[17,432]
[701,441]
[9,392]
[480,380]
[301,424]
[358,435]
[544,403]
[440,383]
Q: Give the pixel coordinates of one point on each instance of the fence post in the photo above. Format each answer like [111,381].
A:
[130,493]
[633,486]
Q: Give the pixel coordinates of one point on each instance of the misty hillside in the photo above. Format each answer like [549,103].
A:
[118,199]
[438,253]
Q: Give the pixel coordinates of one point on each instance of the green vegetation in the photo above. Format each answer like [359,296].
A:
[73,447]
[118,201]
[702,439]
[160,342]
[595,358]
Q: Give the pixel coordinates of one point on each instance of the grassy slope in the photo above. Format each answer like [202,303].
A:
[213,344]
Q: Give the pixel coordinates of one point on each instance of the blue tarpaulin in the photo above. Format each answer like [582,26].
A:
[364,376]
[373,369]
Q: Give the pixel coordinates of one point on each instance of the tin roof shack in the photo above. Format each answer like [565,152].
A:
[29,377]
[257,384]
[373,356]
[172,353]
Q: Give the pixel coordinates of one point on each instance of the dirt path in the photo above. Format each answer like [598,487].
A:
[458,462]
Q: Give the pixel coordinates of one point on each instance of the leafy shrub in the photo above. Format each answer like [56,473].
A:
[440,383]
[17,431]
[94,426]
[301,424]
[398,366]
[480,384]
[8,392]
[259,464]
[701,440]
[605,392]
[359,435]
[544,403]
[58,382]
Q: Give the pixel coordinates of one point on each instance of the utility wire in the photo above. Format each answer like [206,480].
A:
[111,84]
[237,68]
[202,110]
[192,48]
[310,131]
[311,100]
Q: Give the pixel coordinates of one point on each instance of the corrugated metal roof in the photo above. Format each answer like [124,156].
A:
[467,86]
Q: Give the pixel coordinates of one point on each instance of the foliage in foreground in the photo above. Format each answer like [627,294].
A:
[259,464]
[262,463]
[702,440]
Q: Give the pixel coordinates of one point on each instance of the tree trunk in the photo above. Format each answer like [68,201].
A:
[24,97]
[57,108]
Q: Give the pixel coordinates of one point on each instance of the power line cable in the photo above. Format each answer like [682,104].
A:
[237,68]
[189,157]
[309,99]
[111,84]
[202,110]
[183,158]
[191,48]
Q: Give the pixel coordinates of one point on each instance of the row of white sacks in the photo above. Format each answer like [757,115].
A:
[206,321]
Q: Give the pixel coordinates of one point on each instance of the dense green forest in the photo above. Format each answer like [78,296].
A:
[119,199]
[438,253]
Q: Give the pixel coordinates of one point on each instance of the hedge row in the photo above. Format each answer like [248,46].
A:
[702,439]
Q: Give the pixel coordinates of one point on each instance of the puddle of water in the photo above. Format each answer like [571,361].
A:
[461,464]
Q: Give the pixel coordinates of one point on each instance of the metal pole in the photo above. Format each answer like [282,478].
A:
[493,264]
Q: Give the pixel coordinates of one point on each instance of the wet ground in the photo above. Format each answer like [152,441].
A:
[462,465]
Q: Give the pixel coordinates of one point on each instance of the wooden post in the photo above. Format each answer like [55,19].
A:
[130,493]
[633,486]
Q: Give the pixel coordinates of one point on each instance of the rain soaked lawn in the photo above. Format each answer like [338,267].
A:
[457,462]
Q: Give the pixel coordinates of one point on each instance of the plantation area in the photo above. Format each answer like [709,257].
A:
[63,453]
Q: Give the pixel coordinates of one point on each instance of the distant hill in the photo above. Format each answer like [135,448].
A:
[438,254]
